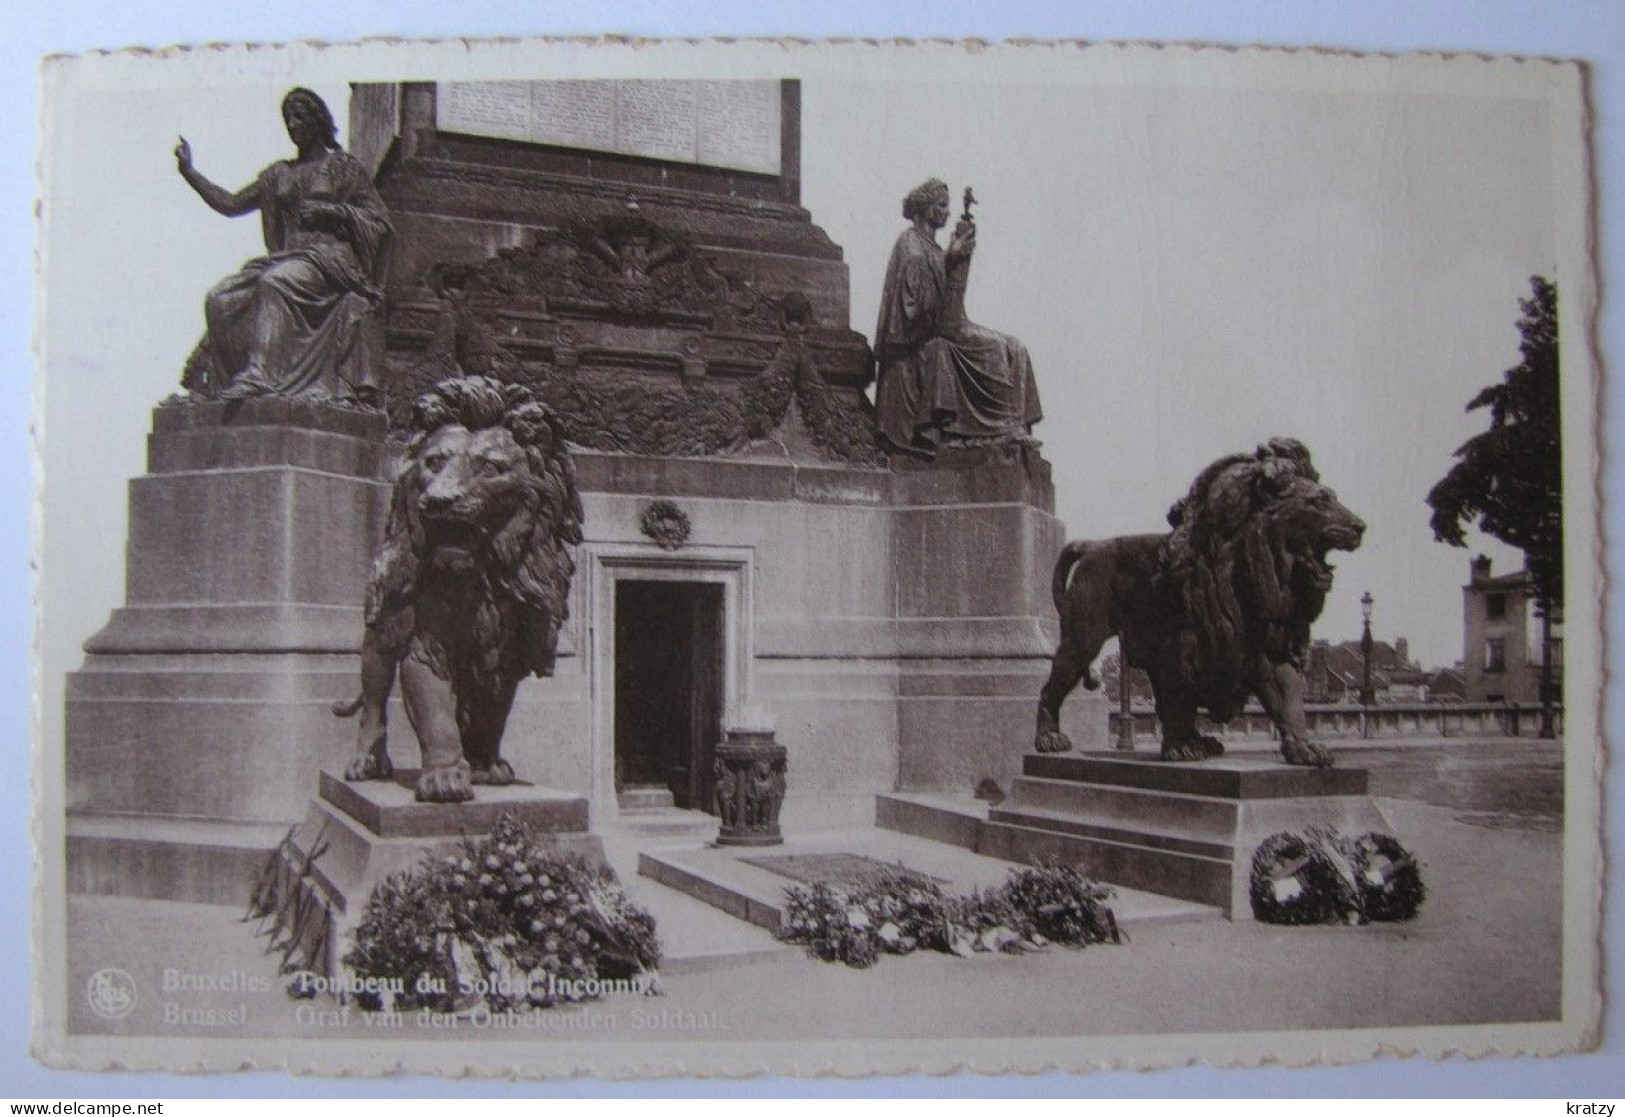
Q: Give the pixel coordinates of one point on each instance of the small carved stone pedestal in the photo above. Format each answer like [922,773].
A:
[749,792]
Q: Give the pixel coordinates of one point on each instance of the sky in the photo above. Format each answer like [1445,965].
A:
[1198,258]
[1195,271]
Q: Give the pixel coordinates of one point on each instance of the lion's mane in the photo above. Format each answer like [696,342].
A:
[1229,562]
[1216,611]
[509,622]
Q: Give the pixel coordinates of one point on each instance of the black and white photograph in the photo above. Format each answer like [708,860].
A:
[564,556]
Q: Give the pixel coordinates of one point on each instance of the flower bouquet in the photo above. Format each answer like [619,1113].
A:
[898,911]
[505,920]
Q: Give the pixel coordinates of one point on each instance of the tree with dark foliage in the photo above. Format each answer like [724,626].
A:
[1510,478]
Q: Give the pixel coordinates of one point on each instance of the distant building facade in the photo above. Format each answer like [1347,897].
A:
[1337,670]
[1447,684]
[1499,663]
[1501,657]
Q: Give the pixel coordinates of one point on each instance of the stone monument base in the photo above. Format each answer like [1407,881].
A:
[203,709]
[1187,831]
[356,834]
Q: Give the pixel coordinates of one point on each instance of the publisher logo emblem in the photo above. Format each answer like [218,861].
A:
[112,993]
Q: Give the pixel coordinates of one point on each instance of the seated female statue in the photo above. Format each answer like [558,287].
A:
[943,379]
[295,322]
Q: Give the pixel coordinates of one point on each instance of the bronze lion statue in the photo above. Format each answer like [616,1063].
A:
[471,583]
[1217,610]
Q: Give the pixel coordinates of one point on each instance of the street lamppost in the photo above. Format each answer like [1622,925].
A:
[1368,697]
[1551,692]
[1125,708]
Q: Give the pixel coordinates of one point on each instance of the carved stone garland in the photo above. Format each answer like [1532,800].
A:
[625,268]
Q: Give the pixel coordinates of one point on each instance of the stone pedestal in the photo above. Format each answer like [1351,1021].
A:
[1183,830]
[750,786]
[975,543]
[356,834]
[202,714]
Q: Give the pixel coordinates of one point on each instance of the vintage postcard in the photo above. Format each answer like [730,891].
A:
[647,558]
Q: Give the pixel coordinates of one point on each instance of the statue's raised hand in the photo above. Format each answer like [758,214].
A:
[183,156]
[963,242]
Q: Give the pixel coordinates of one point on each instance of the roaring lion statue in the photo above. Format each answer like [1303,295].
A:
[1215,611]
[471,583]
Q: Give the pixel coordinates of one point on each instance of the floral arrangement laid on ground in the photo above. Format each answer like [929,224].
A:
[505,920]
[1322,876]
[897,911]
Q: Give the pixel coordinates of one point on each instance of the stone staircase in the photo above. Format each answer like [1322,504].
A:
[742,882]
[1182,830]
[652,813]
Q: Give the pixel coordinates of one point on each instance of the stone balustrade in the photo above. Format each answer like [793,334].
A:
[1344,721]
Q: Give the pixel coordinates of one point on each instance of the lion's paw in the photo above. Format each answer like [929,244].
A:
[1296,750]
[1191,750]
[499,774]
[374,765]
[1055,741]
[450,784]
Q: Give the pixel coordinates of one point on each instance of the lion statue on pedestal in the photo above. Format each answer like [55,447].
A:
[471,583]
[1216,611]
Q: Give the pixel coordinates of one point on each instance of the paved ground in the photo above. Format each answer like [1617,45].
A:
[1484,819]
[1519,782]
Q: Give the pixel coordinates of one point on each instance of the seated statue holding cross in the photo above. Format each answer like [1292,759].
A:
[943,378]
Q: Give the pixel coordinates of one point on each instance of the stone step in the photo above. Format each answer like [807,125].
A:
[727,879]
[1228,777]
[645,799]
[743,891]
[389,808]
[695,937]
[1124,860]
[1202,817]
[1178,873]
[202,861]
[1152,853]
[668,823]
[1083,827]
[950,819]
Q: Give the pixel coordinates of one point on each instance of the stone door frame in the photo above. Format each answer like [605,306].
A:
[611,563]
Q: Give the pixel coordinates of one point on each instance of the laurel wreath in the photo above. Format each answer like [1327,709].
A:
[1322,876]
[666,524]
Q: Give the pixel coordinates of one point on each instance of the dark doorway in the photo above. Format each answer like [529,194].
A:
[668,687]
